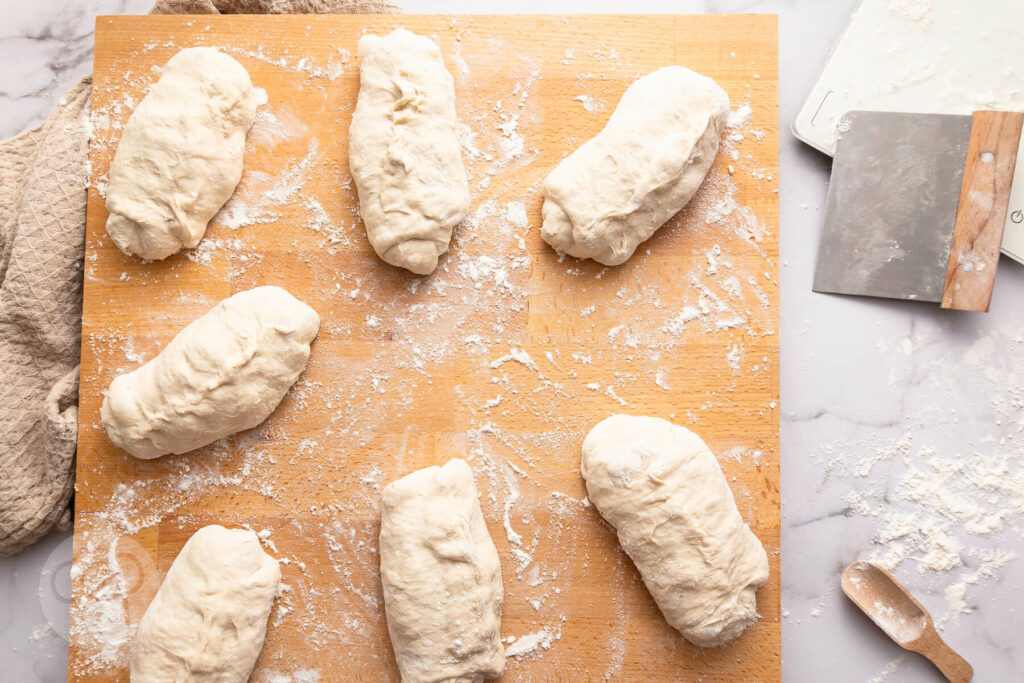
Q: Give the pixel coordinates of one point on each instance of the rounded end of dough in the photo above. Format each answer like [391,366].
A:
[453,474]
[621,442]
[230,75]
[417,256]
[399,39]
[614,258]
[115,412]
[367,44]
[716,634]
[699,87]
[133,239]
[558,231]
[296,315]
[241,555]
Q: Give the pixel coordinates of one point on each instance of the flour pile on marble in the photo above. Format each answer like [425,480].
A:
[954,514]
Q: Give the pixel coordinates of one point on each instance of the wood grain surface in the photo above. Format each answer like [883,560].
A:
[409,372]
[981,213]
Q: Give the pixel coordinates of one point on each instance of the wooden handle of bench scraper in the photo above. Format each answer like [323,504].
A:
[981,214]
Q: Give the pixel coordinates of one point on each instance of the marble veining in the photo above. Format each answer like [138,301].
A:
[859,377]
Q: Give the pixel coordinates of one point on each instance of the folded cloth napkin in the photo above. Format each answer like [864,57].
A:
[43,178]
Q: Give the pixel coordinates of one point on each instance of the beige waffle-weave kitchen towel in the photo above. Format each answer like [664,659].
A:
[43,175]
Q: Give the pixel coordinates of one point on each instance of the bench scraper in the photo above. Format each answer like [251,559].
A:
[917,205]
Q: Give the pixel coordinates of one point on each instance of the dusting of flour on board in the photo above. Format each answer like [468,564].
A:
[388,339]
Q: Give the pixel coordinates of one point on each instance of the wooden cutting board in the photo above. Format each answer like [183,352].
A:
[506,356]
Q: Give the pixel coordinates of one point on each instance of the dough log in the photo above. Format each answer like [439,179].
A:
[209,618]
[441,577]
[664,492]
[618,188]
[404,150]
[180,156]
[224,373]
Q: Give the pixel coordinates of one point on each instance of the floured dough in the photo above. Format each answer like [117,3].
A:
[224,373]
[208,620]
[180,156]
[613,192]
[442,578]
[664,492]
[404,150]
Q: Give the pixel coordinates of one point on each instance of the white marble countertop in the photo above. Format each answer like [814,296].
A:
[901,431]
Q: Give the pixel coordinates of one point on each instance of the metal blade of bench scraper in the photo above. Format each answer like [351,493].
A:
[892,204]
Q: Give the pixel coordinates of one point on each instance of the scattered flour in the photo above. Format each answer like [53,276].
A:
[533,643]
[517,355]
[41,632]
[469,315]
[740,116]
[515,213]
[301,676]
[889,669]
[593,105]
[951,513]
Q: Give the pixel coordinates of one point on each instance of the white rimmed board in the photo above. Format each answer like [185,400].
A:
[927,57]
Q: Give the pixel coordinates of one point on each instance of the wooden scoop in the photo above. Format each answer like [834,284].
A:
[903,618]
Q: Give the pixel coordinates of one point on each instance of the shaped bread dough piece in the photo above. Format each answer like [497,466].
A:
[442,578]
[613,192]
[224,373]
[664,492]
[208,620]
[404,150]
[180,156]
